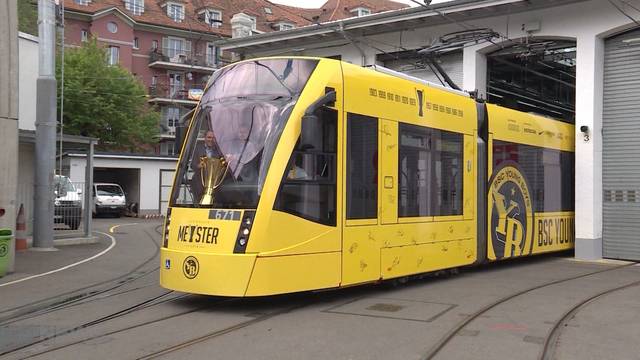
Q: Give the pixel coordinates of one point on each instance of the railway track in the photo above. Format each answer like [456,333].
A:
[446,339]
[82,295]
[552,338]
[94,292]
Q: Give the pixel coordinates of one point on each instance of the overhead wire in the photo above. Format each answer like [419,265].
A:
[629,5]
[623,12]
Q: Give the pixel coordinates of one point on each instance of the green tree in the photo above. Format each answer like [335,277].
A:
[106,102]
[28,16]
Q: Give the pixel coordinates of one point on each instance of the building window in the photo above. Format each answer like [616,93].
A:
[82,2]
[254,21]
[175,12]
[154,45]
[213,18]
[112,27]
[135,6]
[268,11]
[84,35]
[175,48]
[361,11]
[173,117]
[113,55]
[167,148]
[154,81]
[136,43]
[285,26]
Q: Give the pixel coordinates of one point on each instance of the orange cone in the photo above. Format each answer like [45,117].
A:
[21,230]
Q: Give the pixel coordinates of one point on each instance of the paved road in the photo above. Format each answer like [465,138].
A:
[122,313]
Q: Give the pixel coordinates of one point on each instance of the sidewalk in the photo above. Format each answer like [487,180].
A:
[33,278]
[41,275]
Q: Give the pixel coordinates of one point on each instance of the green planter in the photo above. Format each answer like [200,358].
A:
[5,241]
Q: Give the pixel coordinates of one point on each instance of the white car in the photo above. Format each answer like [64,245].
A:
[67,202]
[108,199]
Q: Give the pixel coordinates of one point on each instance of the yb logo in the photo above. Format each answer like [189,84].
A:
[510,214]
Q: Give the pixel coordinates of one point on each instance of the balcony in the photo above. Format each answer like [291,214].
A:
[181,60]
[163,93]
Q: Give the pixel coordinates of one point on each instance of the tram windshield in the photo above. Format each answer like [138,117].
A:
[239,121]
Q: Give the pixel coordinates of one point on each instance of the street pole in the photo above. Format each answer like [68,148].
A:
[45,128]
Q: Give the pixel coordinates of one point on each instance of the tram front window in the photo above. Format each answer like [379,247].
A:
[239,122]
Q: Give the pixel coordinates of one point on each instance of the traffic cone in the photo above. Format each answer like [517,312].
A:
[21,230]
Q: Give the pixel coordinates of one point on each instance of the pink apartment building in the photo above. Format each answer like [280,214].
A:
[169,44]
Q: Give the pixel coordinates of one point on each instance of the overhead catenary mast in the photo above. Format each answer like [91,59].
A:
[46,109]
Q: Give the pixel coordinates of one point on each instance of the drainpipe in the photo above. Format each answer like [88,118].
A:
[353,42]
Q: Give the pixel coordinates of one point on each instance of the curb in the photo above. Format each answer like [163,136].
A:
[75,241]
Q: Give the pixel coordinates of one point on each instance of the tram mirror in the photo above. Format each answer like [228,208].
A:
[311,127]
[312,124]
[177,145]
[180,131]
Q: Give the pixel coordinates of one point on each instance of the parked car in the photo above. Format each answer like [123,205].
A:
[67,202]
[108,199]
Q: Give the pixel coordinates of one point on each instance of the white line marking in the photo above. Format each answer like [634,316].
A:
[112,229]
[113,243]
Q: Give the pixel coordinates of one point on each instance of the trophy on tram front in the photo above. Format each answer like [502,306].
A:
[212,172]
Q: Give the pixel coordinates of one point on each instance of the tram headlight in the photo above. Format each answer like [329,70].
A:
[244,232]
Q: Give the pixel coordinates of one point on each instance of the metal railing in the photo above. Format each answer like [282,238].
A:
[181,56]
[178,91]
[68,205]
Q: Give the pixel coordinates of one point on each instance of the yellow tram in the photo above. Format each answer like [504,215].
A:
[305,173]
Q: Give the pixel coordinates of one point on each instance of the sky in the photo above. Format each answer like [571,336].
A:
[318,3]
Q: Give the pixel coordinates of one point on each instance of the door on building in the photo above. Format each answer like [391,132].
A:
[620,148]
[176,84]
[166,181]
[211,54]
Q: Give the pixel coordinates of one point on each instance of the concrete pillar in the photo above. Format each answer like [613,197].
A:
[8,117]
[474,64]
[588,185]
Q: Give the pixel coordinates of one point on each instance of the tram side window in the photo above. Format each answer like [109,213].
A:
[308,188]
[549,173]
[429,172]
[362,167]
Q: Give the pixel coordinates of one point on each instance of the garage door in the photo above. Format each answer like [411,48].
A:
[621,148]
[166,181]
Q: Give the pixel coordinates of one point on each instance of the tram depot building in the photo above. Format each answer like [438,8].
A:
[575,60]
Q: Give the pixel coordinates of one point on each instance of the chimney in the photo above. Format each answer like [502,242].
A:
[241,25]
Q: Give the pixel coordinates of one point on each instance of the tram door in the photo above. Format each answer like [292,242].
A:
[361,246]
[388,161]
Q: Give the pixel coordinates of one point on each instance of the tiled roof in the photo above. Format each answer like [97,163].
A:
[155,14]
[341,9]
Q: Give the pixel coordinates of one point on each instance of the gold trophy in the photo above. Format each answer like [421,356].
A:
[212,172]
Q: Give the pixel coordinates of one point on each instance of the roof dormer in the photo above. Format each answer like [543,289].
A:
[360,11]
[211,17]
[175,10]
[135,6]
